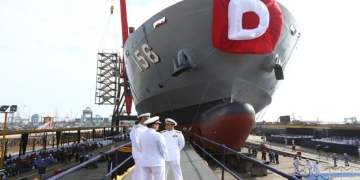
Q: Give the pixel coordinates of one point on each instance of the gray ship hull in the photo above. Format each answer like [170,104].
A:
[218,86]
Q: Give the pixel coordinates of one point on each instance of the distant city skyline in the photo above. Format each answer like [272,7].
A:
[48,53]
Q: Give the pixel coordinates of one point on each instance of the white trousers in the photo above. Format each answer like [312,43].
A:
[137,172]
[176,168]
[310,170]
[154,173]
[297,168]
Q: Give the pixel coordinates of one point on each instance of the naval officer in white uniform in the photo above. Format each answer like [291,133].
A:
[135,142]
[153,151]
[174,143]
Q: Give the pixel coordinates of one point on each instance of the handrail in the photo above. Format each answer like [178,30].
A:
[87,162]
[223,147]
[114,169]
[223,167]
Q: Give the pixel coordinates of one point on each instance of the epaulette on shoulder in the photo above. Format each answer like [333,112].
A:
[177,131]
[136,126]
[162,131]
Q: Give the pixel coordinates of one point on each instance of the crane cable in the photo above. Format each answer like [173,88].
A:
[106,32]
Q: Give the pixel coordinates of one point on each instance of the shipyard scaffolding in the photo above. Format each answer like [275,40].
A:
[112,84]
[106,80]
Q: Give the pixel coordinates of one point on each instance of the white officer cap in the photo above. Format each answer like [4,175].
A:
[144,115]
[170,121]
[154,120]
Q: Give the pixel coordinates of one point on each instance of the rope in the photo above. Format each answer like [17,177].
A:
[116,39]
[264,105]
[206,54]
[158,72]
[105,33]
[199,105]
[103,40]
[142,108]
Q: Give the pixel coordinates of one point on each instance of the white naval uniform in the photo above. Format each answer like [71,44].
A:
[153,148]
[297,165]
[309,165]
[317,169]
[136,151]
[175,143]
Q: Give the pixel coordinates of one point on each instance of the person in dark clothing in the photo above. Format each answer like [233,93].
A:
[109,161]
[296,156]
[63,156]
[293,147]
[77,157]
[263,157]
[277,157]
[81,158]
[69,156]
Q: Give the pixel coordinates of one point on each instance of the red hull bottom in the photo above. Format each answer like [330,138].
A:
[230,129]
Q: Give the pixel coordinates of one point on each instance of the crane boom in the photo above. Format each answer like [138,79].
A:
[125,35]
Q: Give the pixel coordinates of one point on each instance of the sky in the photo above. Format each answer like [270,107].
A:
[48,54]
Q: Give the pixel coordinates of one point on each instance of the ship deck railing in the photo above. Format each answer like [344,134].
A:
[192,137]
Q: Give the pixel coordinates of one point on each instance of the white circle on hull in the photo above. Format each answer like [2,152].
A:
[235,14]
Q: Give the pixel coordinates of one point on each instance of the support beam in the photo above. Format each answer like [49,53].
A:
[24,140]
[45,140]
[6,146]
[58,135]
[78,136]
[93,134]
[34,142]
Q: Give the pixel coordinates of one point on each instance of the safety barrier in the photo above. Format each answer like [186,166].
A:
[306,171]
[96,158]
[224,148]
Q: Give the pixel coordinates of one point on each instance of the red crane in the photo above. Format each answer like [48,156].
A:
[124,85]
[125,34]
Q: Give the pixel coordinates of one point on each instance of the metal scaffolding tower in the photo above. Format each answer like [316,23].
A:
[107,77]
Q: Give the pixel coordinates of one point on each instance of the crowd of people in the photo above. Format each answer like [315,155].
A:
[273,155]
[15,165]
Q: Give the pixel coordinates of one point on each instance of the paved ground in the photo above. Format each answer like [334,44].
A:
[192,165]
[286,163]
